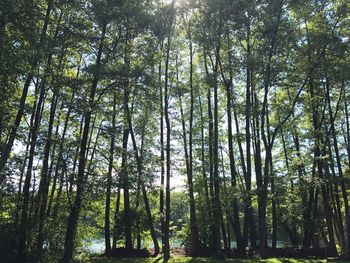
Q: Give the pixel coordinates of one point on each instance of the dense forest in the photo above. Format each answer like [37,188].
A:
[222,125]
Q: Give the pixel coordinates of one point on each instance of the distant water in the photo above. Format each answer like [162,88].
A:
[95,246]
[98,245]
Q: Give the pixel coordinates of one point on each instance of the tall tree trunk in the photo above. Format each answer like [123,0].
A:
[31,124]
[109,178]
[59,162]
[339,165]
[143,188]
[204,175]
[189,161]
[45,180]
[225,232]
[45,175]
[319,165]
[347,135]
[215,227]
[19,194]
[292,231]
[126,131]
[116,217]
[274,207]
[162,172]
[257,157]
[195,243]
[166,245]
[248,227]
[13,133]
[334,193]
[75,210]
[217,204]
[23,227]
[268,139]
[124,175]
[204,166]
[233,170]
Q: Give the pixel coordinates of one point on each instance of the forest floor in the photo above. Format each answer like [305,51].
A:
[183,259]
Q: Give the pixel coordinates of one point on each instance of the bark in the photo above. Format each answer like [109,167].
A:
[292,231]
[233,170]
[143,188]
[116,218]
[319,165]
[13,133]
[189,163]
[81,180]
[19,194]
[247,208]
[268,139]
[204,175]
[59,163]
[339,166]
[215,227]
[31,124]
[166,245]
[217,213]
[126,131]
[225,232]
[45,171]
[57,202]
[204,166]
[23,227]
[109,178]
[162,172]
[124,176]
[347,136]
[195,243]
[45,180]
[334,193]
[274,207]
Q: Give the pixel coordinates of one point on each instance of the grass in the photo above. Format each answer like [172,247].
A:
[181,259]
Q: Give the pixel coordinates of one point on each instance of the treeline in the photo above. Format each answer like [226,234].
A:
[248,100]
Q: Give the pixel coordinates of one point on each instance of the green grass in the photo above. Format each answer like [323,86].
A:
[179,259]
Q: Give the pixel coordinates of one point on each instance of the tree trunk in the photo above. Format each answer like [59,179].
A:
[292,231]
[195,243]
[126,131]
[75,210]
[23,227]
[116,217]
[12,136]
[45,180]
[340,169]
[217,204]
[188,160]
[233,171]
[166,245]
[162,172]
[143,189]
[204,166]
[215,228]
[319,165]
[59,163]
[109,178]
